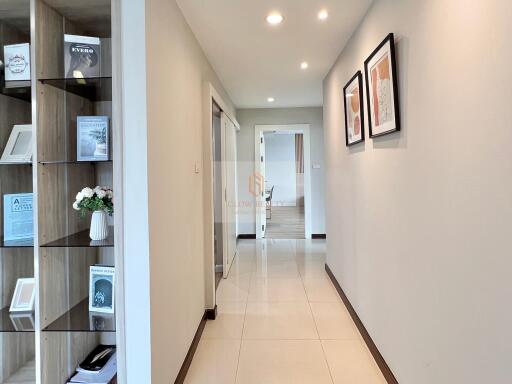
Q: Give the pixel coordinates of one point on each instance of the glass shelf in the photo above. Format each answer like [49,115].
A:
[12,164]
[73,162]
[16,322]
[79,319]
[81,240]
[27,243]
[93,88]
[21,93]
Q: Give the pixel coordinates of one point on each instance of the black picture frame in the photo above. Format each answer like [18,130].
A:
[388,44]
[359,77]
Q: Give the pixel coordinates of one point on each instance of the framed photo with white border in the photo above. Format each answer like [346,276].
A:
[382,89]
[101,289]
[24,296]
[19,146]
[354,110]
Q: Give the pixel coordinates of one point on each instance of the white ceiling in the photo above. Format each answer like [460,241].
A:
[255,60]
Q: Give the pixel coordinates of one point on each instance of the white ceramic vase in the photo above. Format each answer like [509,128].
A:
[99,226]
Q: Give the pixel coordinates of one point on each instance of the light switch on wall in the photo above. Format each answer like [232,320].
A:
[196,168]
[316,166]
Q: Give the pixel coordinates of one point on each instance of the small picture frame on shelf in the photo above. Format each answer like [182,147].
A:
[19,146]
[82,56]
[24,296]
[17,65]
[23,322]
[93,143]
[101,289]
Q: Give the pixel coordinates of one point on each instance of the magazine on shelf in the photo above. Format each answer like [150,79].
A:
[82,56]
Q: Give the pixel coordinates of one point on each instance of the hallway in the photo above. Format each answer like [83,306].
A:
[285,223]
[281,321]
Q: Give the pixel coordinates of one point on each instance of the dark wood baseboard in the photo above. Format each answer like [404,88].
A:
[384,368]
[246,236]
[319,236]
[180,379]
[211,314]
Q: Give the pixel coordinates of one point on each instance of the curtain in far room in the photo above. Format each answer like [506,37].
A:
[299,166]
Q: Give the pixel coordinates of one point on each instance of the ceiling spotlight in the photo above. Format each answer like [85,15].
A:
[275,18]
[323,14]
[271,99]
[304,65]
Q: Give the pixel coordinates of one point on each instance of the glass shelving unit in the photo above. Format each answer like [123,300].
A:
[17,330]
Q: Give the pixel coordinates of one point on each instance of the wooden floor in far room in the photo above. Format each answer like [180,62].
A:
[286,223]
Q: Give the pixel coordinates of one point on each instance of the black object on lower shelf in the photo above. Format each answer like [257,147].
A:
[81,240]
[26,243]
[79,319]
[16,322]
[92,88]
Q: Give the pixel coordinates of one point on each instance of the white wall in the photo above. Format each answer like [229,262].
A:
[248,118]
[418,223]
[176,71]
[280,168]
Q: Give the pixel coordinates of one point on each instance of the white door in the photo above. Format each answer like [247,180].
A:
[229,181]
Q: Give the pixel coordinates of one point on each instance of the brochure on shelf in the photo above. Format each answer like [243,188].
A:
[18,217]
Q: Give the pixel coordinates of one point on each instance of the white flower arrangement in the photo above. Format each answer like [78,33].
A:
[97,199]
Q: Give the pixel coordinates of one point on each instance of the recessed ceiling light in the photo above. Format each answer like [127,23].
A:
[271,99]
[304,65]
[323,14]
[275,18]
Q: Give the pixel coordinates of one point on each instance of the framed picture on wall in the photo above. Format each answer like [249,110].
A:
[382,89]
[354,111]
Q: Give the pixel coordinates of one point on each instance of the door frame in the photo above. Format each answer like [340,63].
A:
[227,258]
[299,128]
[210,95]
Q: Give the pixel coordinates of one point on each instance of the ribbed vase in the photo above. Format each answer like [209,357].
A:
[99,226]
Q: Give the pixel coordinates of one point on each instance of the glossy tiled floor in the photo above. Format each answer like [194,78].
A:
[281,321]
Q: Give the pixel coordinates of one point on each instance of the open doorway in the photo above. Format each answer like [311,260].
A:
[284,185]
[283,210]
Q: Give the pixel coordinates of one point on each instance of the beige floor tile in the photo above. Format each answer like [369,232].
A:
[242,267]
[320,290]
[276,268]
[264,289]
[311,269]
[234,288]
[282,362]
[279,320]
[333,321]
[229,322]
[349,362]
[215,362]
